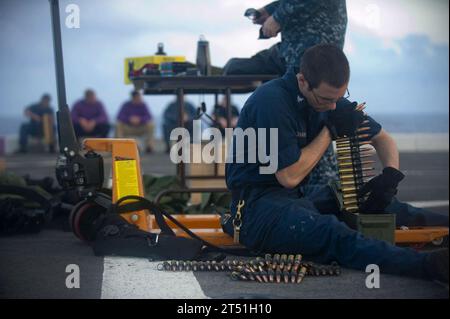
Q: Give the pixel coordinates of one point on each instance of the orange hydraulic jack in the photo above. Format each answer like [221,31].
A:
[126,172]
[127,180]
[421,235]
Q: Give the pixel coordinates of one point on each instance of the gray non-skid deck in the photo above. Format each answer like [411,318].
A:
[33,266]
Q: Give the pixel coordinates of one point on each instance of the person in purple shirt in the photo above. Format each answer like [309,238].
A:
[89,117]
[135,120]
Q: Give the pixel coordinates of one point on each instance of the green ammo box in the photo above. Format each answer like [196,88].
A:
[378,226]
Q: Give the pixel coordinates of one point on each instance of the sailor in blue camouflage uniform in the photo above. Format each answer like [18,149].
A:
[278,214]
[302,23]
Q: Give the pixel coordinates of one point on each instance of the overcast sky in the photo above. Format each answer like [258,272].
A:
[398,49]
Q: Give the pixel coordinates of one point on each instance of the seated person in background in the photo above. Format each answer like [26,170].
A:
[89,117]
[35,127]
[135,120]
[220,115]
[170,120]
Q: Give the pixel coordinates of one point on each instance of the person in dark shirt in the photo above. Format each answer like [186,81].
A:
[302,24]
[89,117]
[220,115]
[135,120]
[170,120]
[279,211]
[35,127]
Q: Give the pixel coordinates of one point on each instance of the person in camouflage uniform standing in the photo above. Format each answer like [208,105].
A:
[303,24]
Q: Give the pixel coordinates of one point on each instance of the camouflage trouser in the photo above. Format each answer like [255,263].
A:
[326,170]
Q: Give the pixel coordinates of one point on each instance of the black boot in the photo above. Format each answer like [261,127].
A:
[437,265]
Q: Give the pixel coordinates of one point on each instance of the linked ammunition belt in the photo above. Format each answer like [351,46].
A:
[355,166]
[272,268]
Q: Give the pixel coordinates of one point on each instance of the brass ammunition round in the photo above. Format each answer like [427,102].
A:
[352,182]
[337,271]
[293,276]
[344,145]
[229,265]
[166,265]
[257,276]
[253,265]
[342,139]
[268,260]
[363,128]
[264,276]
[249,274]
[235,275]
[238,276]
[283,260]
[345,164]
[261,263]
[346,150]
[301,274]
[240,268]
[278,275]
[353,176]
[276,258]
[349,157]
[297,262]
[330,271]
[286,276]
[223,267]
[363,136]
[271,275]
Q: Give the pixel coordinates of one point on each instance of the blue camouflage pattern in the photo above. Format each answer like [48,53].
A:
[305,23]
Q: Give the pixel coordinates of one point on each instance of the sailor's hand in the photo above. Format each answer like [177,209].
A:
[344,121]
[262,17]
[270,27]
[381,190]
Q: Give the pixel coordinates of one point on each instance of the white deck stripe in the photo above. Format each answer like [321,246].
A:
[139,278]
[430,203]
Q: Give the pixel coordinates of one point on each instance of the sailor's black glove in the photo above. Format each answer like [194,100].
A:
[381,189]
[344,121]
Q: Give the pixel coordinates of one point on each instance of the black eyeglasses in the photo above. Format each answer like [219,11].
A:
[324,100]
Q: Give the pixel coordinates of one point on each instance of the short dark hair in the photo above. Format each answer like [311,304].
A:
[88,92]
[134,93]
[46,96]
[325,63]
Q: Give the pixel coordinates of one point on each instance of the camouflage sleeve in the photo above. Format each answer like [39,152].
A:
[288,8]
[271,7]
